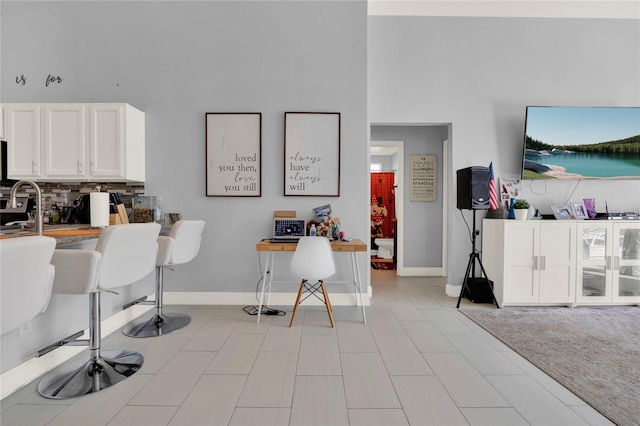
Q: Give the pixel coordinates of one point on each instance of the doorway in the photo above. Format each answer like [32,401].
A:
[422,225]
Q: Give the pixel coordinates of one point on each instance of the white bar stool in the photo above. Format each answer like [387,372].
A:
[181,246]
[124,255]
[27,276]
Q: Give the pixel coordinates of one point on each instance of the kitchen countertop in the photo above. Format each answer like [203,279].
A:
[62,233]
[65,234]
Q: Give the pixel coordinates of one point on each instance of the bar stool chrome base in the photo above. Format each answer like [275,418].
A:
[156,325]
[88,376]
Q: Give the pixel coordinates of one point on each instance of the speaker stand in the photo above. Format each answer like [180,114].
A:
[474,257]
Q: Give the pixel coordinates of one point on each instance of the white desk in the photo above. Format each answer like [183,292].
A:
[272,249]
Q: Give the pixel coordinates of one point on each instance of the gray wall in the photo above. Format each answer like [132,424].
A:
[479,74]
[422,220]
[178,60]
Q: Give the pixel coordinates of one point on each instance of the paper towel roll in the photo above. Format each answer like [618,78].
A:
[99,209]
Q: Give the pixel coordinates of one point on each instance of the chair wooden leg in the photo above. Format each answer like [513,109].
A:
[295,307]
[327,302]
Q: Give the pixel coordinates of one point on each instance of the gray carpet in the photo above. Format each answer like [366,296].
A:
[593,352]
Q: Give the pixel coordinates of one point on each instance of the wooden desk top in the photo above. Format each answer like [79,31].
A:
[337,245]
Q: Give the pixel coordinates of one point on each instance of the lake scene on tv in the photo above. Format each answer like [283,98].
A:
[582,143]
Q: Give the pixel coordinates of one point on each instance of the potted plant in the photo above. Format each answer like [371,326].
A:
[521,209]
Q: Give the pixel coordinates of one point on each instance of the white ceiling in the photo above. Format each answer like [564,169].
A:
[613,9]
[382,150]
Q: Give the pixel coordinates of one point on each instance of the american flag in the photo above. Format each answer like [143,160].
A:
[493,197]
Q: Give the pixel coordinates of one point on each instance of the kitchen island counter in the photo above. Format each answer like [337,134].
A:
[62,233]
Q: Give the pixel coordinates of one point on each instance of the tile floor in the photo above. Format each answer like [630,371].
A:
[416,362]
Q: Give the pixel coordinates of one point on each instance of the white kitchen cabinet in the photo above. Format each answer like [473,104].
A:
[65,140]
[102,142]
[23,128]
[608,262]
[530,262]
[116,142]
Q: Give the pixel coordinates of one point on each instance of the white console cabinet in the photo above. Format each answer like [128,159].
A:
[530,262]
[608,266]
[566,262]
[102,142]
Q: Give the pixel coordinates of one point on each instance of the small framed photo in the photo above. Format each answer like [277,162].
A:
[579,211]
[562,212]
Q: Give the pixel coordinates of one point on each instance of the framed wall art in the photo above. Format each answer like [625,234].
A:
[233,154]
[312,154]
[422,178]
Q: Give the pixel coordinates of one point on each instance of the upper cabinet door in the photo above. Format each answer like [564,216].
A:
[64,140]
[24,138]
[106,127]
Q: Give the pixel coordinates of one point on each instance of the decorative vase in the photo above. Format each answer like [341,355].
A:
[521,214]
[510,213]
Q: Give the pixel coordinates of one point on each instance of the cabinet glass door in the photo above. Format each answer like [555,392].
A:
[626,266]
[594,254]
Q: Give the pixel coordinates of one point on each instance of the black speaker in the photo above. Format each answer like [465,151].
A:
[473,188]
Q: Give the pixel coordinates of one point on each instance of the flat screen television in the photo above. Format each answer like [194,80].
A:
[581,143]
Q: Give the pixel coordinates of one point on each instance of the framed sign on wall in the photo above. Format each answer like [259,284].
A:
[233,154]
[422,179]
[312,154]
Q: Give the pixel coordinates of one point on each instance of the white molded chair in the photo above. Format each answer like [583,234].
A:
[124,255]
[26,277]
[181,246]
[313,261]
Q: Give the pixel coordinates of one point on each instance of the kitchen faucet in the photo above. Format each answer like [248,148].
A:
[12,196]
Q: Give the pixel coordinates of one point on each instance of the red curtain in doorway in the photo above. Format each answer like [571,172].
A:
[383,204]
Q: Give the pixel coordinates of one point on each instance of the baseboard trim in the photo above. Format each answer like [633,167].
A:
[452,290]
[243,298]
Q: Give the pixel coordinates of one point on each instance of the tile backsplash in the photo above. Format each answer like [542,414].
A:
[53,193]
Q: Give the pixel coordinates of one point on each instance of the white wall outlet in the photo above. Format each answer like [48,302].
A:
[25,328]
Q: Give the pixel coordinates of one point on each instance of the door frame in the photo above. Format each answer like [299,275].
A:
[399,197]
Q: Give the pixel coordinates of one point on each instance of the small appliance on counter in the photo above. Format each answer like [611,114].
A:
[19,213]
